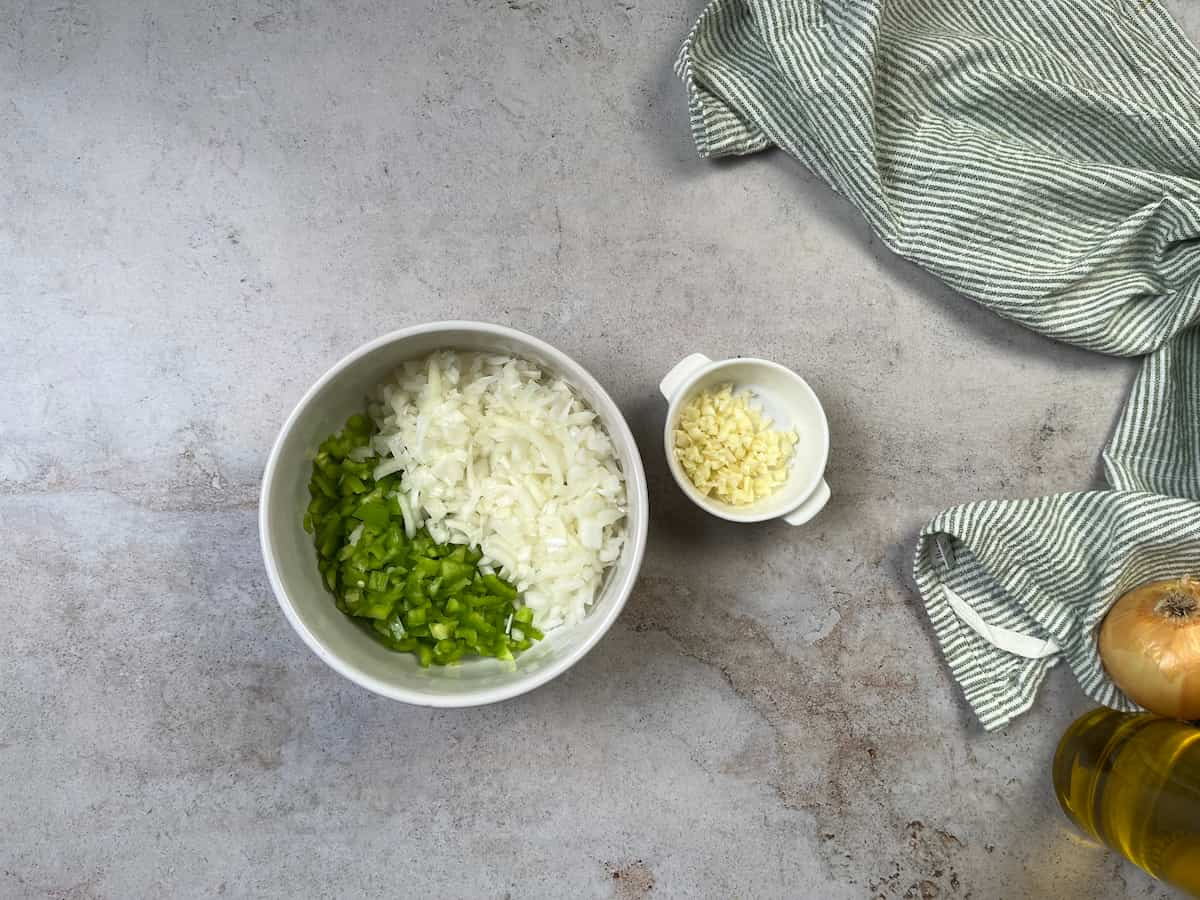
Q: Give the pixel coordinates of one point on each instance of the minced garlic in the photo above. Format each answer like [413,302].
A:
[728,448]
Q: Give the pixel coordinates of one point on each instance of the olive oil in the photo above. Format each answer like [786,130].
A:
[1132,781]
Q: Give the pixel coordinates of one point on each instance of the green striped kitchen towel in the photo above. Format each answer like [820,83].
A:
[1042,157]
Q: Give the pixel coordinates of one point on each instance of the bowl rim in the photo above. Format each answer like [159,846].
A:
[635,493]
[715,507]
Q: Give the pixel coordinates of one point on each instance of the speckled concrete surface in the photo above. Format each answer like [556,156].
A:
[205,204]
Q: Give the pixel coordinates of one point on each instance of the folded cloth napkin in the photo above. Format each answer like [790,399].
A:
[1042,157]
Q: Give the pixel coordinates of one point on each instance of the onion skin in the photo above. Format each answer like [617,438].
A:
[1150,646]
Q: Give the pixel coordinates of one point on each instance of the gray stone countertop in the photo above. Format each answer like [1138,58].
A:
[205,204]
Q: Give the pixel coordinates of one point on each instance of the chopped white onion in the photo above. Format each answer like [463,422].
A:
[496,454]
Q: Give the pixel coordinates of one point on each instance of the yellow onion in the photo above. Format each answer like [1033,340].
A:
[1150,645]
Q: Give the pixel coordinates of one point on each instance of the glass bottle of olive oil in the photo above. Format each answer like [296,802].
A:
[1133,782]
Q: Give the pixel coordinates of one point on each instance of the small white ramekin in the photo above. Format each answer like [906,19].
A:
[786,398]
[291,559]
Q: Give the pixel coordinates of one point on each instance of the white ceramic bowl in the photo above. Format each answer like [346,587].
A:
[291,559]
[786,398]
